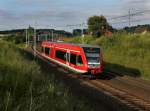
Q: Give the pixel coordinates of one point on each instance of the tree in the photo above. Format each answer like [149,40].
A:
[98,25]
[77,32]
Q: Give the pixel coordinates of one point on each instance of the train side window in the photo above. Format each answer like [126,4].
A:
[61,55]
[73,58]
[79,61]
[47,51]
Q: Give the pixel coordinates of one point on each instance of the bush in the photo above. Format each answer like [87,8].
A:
[23,87]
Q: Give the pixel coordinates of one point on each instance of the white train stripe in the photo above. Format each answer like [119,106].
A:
[62,64]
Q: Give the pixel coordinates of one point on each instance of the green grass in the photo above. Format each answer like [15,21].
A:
[23,87]
[126,53]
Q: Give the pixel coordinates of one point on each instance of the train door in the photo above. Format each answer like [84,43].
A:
[68,57]
[73,58]
[76,61]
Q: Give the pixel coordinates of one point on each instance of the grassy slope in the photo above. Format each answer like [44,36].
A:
[125,52]
[23,87]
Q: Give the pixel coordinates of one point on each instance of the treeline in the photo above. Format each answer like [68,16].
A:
[99,26]
[59,32]
[133,29]
[38,31]
[12,31]
[137,29]
[19,35]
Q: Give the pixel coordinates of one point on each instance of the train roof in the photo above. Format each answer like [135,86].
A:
[72,44]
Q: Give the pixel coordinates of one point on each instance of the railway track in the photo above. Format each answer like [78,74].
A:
[129,99]
[143,83]
[135,102]
[138,87]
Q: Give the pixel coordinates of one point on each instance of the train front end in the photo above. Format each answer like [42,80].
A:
[94,60]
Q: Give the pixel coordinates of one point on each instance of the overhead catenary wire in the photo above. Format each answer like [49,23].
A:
[127,15]
[127,18]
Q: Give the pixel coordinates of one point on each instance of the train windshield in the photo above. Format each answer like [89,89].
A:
[92,55]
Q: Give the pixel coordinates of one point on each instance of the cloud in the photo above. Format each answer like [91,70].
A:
[136,4]
[5,14]
[62,12]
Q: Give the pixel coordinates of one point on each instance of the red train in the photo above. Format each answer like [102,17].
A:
[78,58]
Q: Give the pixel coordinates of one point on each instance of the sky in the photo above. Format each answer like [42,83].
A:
[59,14]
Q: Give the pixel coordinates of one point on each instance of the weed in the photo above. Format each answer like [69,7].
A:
[23,87]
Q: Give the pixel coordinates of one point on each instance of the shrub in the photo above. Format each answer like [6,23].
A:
[23,87]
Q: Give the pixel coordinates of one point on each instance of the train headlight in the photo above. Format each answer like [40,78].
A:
[94,65]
